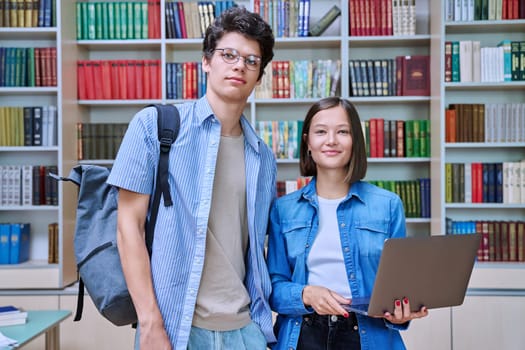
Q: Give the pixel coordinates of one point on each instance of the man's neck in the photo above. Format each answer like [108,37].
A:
[229,114]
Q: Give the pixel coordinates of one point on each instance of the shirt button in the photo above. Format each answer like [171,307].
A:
[343,224]
[296,323]
[347,249]
[363,332]
[352,276]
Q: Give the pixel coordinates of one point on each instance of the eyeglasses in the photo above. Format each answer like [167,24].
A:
[232,56]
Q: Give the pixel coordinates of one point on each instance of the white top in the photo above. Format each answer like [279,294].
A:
[325,262]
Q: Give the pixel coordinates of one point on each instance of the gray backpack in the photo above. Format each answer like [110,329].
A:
[95,241]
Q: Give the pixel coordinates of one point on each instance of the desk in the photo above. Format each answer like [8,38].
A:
[38,322]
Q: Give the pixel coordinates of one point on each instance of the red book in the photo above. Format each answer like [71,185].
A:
[151,19]
[123,79]
[380,137]
[155,79]
[90,80]
[105,68]
[139,79]
[182,20]
[146,87]
[81,80]
[477,182]
[352,17]
[389,25]
[97,77]
[131,80]
[115,85]
[416,76]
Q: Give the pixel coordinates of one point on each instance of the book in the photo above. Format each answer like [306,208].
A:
[328,18]
[416,76]
[19,251]
[11,315]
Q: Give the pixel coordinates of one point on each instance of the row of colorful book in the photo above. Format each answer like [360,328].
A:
[399,76]
[490,122]
[288,18]
[28,66]
[27,185]
[382,17]
[485,182]
[466,61]
[185,80]
[28,126]
[118,79]
[99,140]
[300,79]
[491,10]
[288,186]
[396,138]
[189,19]
[27,13]
[500,240]
[282,136]
[111,20]
[415,195]
[14,242]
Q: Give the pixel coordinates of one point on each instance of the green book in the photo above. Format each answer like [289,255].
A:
[318,28]
[98,21]
[111,21]
[104,22]
[78,15]
[122,20]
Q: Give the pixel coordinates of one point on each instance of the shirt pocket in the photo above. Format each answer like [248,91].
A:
[295,234]
[371,236]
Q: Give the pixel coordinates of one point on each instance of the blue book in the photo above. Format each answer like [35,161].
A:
[19,243]
[5,233]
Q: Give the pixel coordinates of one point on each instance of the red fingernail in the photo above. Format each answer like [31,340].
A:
[398,303]
[405,300]
[346,315]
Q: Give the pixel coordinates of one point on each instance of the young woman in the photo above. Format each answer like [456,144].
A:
[325,241]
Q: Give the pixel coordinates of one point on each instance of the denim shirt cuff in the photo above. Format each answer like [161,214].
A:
[397,327]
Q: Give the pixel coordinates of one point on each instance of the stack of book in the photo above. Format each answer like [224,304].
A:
[11,315]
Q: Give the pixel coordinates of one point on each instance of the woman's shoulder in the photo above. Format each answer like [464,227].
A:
[367,188]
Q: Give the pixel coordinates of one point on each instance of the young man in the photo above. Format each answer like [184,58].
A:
[207,285]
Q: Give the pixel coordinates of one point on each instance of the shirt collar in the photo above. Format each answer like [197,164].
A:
[356,190]
[250,136]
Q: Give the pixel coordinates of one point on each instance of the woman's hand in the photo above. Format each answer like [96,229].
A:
[402,312]
[324,301]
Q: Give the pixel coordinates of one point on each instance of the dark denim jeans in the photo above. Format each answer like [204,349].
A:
[329,332]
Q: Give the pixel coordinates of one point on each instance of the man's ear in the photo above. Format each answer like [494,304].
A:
[205,65]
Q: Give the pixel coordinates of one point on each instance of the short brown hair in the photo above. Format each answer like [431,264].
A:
[356,169]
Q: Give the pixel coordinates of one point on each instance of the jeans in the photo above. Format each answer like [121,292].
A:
[246,338]
[329,332]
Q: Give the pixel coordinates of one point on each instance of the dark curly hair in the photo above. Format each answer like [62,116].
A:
[238,19]
[356,169]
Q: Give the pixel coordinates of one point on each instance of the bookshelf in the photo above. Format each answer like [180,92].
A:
[37,272]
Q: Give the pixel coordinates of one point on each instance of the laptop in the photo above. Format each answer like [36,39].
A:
[433,271]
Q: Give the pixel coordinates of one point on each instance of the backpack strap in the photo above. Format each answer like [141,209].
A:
[168,123]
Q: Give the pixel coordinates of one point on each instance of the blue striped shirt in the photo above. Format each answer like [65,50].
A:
[180,232]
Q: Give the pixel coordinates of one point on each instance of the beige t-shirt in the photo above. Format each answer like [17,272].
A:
[223,301]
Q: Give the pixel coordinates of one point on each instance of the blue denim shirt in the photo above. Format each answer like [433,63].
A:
[367,216]
[180,232]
